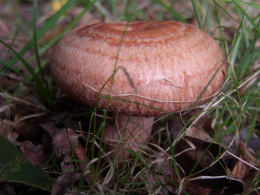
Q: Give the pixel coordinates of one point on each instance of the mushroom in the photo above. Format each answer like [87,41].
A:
[141,70]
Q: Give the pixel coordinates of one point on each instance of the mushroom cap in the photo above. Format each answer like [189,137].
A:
[139,68]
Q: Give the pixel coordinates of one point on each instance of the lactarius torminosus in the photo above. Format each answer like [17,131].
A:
[144,68]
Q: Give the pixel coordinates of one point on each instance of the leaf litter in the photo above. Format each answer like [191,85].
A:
[58,145]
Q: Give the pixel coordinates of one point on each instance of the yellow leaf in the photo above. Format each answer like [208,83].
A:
[57,4]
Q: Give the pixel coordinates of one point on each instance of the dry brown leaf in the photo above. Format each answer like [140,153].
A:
[7,131]
[9,81]
[213,185]
[191,151]
[80,153]
[26,126]
[198,133]
[160,173]
[33,153]
[63,183]
[64,140]
[175,126]
[241,170]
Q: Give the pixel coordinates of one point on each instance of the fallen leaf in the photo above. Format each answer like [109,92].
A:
[241,170]
[33,153]
[15,168]
[198,134]
[63,141]
[160,177]
[7,131]
[213,185]
[63,182]
[199,157]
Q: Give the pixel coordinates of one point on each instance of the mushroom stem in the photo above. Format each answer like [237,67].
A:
[129,132]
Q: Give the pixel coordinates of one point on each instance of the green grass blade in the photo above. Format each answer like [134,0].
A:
[219,26]
[53,41]
[9,65]
[252,127]
[224,10]
[48,25]
[68,27]
[254,5]
[35,39]
[126,14]
[172,11]
[42,91]
[236,42]
[5,66]
[25,63]
[197,13]
[247,16]
[114,8]
[247,59]
[206,22]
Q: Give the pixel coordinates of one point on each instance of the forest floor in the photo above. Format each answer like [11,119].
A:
[52,144]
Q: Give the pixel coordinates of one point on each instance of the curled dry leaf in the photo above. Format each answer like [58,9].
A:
[64,140]
[199,134]
[202,129]
[81,156]
[241,170]
[211,165]
[175,126]
[7,131]
[33,153]
[153,187]
[213,162]
[9,82]
[63,182]
[66,165]
[213,185]
[26,126]
[203,155]
[83,161]
[163,182]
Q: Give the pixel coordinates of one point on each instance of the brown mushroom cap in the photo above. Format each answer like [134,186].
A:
[158,66]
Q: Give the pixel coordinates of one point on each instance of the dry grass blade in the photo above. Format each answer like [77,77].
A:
[211,148]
